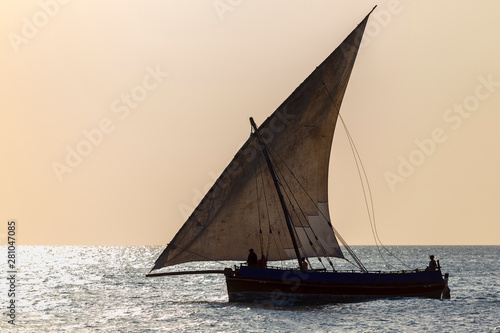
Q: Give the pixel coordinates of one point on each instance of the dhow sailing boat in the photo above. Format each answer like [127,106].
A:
[272,198]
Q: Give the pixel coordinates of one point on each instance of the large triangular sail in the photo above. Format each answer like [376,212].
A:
[242,210]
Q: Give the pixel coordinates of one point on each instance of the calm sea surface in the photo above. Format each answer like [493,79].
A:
[103,289]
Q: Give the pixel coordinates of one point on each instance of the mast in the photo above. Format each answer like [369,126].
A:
[278,190]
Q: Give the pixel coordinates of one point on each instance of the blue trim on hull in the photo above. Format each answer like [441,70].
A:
[279,286]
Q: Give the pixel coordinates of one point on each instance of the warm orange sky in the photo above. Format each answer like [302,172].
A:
[157,95]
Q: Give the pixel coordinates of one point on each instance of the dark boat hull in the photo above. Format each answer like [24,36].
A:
[287,287]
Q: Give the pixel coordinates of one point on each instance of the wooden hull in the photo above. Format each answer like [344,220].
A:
[288,287]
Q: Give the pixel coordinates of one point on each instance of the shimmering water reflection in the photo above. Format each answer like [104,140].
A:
[104,289]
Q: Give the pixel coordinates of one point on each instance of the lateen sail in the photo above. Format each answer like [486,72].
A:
[243,200]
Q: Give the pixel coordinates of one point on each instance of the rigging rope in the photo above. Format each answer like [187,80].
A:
[271,234]
[281,183]
[306,219]
[371,214]
[261,240]
[368,197]
[336,233]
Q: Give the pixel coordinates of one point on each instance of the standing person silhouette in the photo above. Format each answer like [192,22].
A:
[252,259]
[432,264]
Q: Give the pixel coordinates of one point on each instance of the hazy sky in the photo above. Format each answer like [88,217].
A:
[116,116]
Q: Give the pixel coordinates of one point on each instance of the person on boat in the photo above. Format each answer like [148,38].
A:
[303,264]
[432,264]
[263,261]
[252,259]
[446,290]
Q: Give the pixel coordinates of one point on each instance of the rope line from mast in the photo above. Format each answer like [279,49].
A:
[261,236]
[336,233]
[275,237]
[305,217]
[359,264]
[366,191]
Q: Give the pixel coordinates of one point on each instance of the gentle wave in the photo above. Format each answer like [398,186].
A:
[104,289]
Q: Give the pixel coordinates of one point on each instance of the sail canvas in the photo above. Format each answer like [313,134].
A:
[242,210]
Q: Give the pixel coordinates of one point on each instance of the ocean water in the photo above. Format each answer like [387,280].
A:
[104,289]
